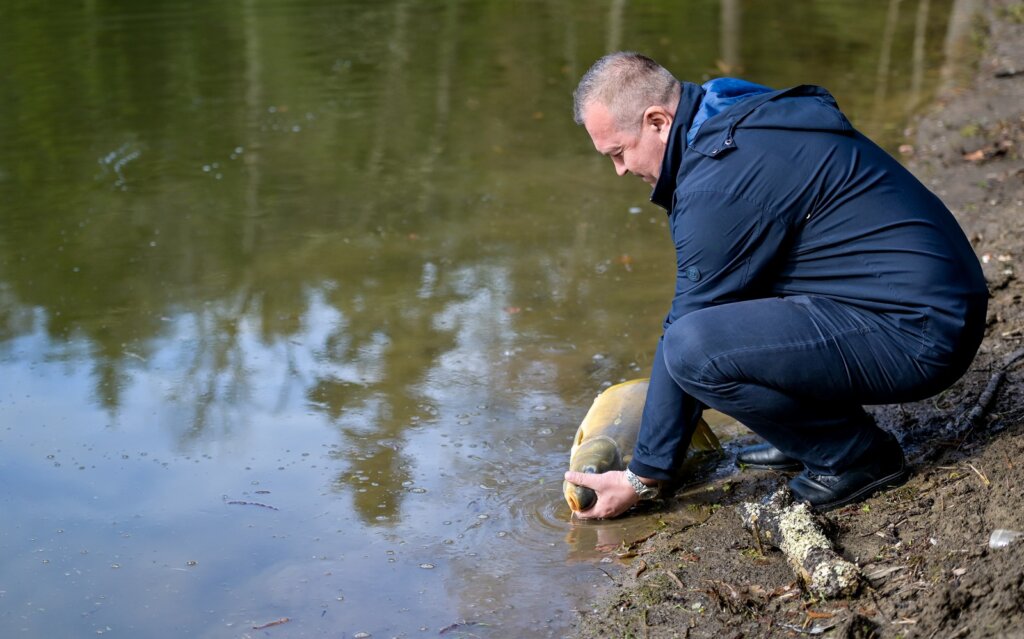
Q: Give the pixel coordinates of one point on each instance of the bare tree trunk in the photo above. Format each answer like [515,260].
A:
[730,35]
[569,42]
[885,62]
[920,37]
[957,38]
[442,103]
[254,108]
[615,19]
[397,57]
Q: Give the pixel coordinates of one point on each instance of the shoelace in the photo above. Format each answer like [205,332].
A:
[825,480]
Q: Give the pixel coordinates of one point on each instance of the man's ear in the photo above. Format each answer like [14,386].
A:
[659,120]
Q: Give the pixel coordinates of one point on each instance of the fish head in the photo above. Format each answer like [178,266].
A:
[579,498]
[595,455]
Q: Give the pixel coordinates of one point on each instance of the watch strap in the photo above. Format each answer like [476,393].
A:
[643,491]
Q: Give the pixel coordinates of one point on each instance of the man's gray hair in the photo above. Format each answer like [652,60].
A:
[626,83]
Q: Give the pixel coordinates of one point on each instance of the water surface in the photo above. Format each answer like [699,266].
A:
[301,302]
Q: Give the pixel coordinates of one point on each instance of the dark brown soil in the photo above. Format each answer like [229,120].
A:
[923,548]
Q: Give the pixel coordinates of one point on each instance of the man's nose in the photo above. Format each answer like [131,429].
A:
[620,168]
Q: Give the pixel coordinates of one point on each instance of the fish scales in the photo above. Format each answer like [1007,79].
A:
[605,438]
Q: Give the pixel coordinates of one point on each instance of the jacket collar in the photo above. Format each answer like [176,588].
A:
[715,135]
[689,101]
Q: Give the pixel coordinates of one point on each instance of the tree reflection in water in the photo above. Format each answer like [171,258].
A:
[371,226]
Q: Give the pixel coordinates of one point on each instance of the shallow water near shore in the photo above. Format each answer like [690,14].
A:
[301,303]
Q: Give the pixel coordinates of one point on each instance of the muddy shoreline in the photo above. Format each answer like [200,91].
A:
[924,547]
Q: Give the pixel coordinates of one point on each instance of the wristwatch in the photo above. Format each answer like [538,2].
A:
[643,491]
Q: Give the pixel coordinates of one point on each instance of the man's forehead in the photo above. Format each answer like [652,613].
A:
[600,125]
[598,113]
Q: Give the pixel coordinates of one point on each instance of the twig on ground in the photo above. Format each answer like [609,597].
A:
[675,579]
[608,574]
[959,430]
[757,535]
[984,479]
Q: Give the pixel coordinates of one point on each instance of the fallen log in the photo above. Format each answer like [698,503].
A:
[779,523]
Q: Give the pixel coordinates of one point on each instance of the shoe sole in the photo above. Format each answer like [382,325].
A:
[794,466]
[890,481]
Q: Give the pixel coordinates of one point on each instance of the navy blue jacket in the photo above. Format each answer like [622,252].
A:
[778,195]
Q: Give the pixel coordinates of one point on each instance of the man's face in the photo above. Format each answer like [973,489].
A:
[637,151]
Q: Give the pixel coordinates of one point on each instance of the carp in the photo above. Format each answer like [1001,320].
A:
[605,438]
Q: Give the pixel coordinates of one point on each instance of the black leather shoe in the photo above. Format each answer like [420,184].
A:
[766,457]
[884,468]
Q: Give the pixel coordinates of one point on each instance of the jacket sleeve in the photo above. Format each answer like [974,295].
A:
[725,248]
[669,419]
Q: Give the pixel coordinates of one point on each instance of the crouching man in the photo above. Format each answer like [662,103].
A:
[814,275]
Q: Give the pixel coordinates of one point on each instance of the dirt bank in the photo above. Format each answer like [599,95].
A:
[923,547]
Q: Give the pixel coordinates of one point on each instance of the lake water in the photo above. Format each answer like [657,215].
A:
[301,302]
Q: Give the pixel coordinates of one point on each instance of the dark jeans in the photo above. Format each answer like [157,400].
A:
[797,371]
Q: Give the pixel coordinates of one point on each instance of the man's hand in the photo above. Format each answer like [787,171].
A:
[614,494]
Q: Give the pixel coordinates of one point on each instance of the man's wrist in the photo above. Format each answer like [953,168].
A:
[644,487]
[649,473]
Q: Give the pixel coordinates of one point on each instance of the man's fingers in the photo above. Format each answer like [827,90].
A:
[587,480]
[614,494]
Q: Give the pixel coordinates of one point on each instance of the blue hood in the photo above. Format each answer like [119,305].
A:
[719,95]
[708,117]
[728,104]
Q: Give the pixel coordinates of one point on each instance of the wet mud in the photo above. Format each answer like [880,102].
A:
[923,548]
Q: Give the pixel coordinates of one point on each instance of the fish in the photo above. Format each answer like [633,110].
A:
[605,438]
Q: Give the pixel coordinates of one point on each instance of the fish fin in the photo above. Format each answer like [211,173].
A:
[704,438]
[577,441]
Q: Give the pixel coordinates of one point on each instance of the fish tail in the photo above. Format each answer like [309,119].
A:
[704,439]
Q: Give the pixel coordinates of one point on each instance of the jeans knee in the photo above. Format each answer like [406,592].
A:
[687,353]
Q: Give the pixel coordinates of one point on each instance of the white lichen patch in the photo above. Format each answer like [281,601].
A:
[807,549]
[838,578]
[800,535]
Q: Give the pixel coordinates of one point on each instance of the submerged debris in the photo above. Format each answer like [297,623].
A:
[242,502]
[269,624]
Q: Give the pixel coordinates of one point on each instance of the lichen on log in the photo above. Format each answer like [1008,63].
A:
[791,528]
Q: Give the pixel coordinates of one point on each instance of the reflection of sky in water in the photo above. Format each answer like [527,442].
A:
[110,509]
